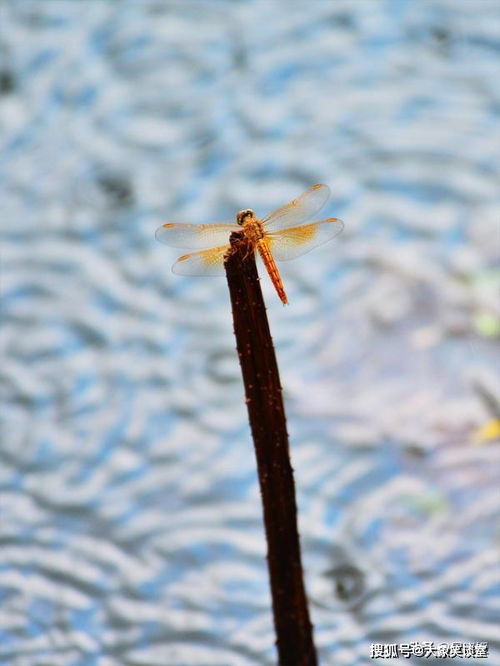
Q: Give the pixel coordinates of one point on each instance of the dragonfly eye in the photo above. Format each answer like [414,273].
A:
[242,216]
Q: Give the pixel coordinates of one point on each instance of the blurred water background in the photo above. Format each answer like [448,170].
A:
[131,530]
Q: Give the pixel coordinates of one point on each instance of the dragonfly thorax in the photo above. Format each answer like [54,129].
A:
[252,227]
[253,230]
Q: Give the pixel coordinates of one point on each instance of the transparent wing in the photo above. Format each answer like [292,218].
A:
[206,262]
[195,235]
[298,210]
[290,243]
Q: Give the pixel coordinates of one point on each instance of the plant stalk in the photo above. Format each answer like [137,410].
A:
[268,425]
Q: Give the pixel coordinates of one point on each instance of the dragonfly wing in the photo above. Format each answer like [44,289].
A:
[195,236]
[206,262]
[298,210]
[290,243]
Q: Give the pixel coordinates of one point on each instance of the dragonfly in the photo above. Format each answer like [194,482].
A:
[280,236]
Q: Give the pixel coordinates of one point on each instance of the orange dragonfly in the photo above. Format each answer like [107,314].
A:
[279,236]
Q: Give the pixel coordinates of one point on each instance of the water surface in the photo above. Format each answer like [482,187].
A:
[131,527]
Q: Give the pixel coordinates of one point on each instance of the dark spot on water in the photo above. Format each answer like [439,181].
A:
[440,35]
[117,188]
[437,37]
[7,82]
[416,452]
[221,368]
[348,581]
[343,20]
[240,56]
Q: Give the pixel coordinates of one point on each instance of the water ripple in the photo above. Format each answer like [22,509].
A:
[131,524]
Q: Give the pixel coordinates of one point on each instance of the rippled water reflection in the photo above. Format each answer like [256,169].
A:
[131,522]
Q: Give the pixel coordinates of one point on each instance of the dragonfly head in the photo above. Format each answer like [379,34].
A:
[242,216]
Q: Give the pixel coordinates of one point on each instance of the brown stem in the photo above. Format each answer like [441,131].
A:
[268,424]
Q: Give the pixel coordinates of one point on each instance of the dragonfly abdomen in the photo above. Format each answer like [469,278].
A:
[272,269]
